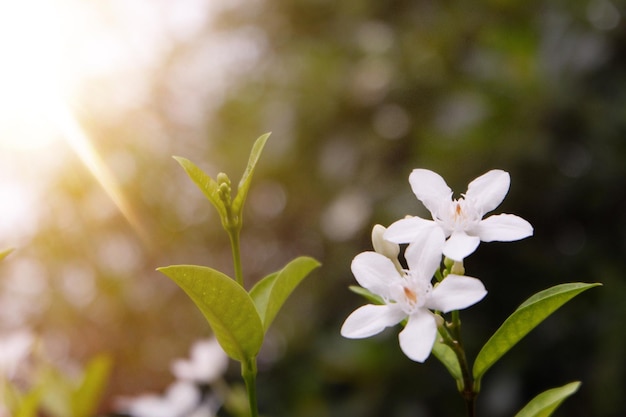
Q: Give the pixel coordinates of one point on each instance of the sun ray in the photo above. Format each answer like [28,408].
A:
[35,86]
[76,137]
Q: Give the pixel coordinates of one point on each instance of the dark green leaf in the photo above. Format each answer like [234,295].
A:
[544,404]
[271,292]
[226,305]
[527,316]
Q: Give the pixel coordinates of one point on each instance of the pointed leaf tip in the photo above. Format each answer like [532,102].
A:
[206,184]
[544,404]
[5,253]
[525,318]
[271,292]
[246,178]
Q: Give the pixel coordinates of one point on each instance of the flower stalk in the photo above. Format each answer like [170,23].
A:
[450,332]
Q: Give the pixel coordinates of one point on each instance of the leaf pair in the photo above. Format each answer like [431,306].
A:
[215,191]
[239,319]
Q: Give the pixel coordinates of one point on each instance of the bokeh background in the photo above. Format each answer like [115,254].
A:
[95,98]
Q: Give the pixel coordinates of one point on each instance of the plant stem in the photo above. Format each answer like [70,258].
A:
[469,394]
[233,233]
[248,372]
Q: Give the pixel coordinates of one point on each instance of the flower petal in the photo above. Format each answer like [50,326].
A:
[503,228]
[370,319]
[208,362]
[488,190]
[430,188]
[460,245]
[407,229]
[374,272]
[419,334]
[423,255]
[456,292]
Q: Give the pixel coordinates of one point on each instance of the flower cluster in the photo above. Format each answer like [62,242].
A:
[454,232]
[189,395]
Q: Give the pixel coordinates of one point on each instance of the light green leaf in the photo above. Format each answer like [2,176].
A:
[87,396]
[527,316]
[448,358]
[544,404]
[5,253]
[246,178]
[29,404]
[271,292]
[56,390]
[208,185]
[226,305]
[261,292]
[367,294]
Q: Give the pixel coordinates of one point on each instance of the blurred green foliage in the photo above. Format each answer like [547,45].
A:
[358,93]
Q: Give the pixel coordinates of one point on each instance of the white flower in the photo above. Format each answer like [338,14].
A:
[461,220]
[14,348]
[180,399]
[208,362]
[409,294]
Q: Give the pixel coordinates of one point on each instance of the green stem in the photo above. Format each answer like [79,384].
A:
[452,337]
[248,372]
[233,233]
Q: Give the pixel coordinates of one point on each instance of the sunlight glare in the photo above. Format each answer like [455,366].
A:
[30,74]
[34,90]
[78,140]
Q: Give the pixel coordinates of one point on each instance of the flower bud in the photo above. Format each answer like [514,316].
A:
[222,178]
[224,192]
[384,247]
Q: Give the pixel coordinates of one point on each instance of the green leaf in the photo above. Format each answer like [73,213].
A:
[261,292]
[527,316]
[29,404]
[87,396]
[56,389]
[448,358]
[270,293]
[246,178]
[544,404]
[5,253]
[208,185]
[367,294]
[226,305]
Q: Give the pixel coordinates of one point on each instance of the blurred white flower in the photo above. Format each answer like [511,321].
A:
[180,399]
[461,220]
[207,362]
[14,348]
